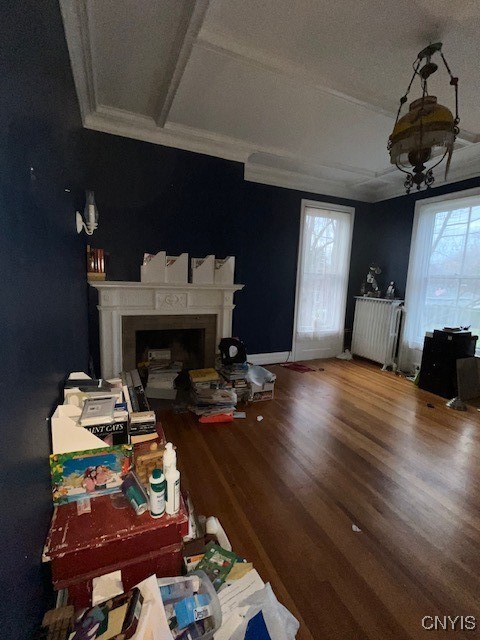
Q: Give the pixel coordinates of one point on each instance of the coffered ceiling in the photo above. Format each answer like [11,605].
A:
[303,92]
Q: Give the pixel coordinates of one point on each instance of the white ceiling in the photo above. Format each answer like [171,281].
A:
[303,92]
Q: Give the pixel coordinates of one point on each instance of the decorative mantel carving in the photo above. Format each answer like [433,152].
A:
[118,299]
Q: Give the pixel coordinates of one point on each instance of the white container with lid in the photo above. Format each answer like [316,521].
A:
[172,499]
[157,493]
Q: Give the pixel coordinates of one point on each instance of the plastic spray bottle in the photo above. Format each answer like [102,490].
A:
[169,458]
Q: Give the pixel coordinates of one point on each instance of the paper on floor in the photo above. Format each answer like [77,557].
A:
[106,586]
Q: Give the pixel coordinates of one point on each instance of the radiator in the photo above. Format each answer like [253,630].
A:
[376,329]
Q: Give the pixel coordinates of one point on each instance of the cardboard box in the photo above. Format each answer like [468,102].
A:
[262,392]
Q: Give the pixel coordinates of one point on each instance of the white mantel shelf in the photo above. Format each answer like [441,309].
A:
[114,284]
[118,299]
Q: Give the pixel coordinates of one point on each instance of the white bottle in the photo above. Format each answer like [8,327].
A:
[172,478]
[169,458]
[157,493]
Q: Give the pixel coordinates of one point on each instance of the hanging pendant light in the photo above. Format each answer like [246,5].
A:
[424,136]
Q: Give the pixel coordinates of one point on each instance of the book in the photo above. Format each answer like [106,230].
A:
[138,438]
[142,424]
[87,383]
[114,433]
[140,417]
[97,411]
[203,375]
[139,391]
[136,393]
[217,563]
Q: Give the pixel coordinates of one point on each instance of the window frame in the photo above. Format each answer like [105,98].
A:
[420,205]
[325,206]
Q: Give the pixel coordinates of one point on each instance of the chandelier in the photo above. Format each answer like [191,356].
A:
[424,136]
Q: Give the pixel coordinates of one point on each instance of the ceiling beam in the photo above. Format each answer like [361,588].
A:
[192,20]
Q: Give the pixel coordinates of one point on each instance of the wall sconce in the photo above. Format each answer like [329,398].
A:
[90,214]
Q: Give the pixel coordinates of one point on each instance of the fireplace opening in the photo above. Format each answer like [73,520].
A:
[190,338]
[186,345]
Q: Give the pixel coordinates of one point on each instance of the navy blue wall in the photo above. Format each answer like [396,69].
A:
[43,327]
[154,198]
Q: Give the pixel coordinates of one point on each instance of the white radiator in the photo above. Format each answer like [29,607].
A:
[375,329]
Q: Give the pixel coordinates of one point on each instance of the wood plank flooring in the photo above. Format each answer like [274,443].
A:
[347,445]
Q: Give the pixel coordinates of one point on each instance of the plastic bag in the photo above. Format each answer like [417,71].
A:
[259,376]
[279,622]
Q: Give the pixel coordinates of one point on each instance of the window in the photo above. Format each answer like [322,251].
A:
[323,267]
[443,285]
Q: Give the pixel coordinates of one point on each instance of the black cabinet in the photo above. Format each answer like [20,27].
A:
[438,372]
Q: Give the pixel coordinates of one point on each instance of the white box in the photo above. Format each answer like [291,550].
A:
[262,392]
[176,271]
[203,270]
[224,270]
[68,435]
[155,269]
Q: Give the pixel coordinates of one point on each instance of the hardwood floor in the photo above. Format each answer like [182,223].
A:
[347,445]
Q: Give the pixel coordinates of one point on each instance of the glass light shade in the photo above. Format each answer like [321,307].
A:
[91,212]
[427,126]
[89,222]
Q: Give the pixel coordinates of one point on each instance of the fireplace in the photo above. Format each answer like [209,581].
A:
[191,339]
[128,308]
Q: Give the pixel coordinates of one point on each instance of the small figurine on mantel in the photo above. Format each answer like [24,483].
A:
[370,287]
[391,293]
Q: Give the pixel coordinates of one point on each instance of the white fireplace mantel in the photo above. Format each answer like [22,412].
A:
[118,299]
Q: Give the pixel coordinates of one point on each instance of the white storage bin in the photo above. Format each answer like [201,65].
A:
[203,270]
[155,269]
[224,270]
[177,269]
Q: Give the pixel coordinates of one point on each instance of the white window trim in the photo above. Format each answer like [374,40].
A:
[328,206]
[411,357]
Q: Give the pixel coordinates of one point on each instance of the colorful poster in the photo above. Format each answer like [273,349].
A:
[90,473]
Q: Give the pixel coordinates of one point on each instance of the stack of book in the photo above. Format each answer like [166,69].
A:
[141,419]
[161,379]
[211,399]
[236,374]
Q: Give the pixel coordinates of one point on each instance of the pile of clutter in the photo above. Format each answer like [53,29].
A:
[214,394]
[162,373]
[211,399]
[235,376]
[221,595]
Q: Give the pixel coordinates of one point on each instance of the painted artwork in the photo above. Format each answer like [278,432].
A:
[88,474]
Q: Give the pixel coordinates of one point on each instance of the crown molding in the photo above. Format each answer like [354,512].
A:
[130,125]
[274,176]
[77,33]
[306,173]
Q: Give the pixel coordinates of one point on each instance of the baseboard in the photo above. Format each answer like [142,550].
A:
[274,357]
